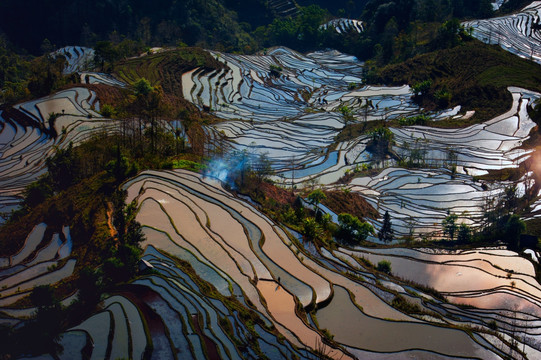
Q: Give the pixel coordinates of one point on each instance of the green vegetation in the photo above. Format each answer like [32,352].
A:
[207,23]
[81,187]
[420,119]
[352,230]
[316,197]
[400,303]
[43,328]
[311,228]
[501,224]
[477,76]
[275,70]
[105,256]
[347,116]
[510,6]
[301,32]
[397,30]
[381,141]
[24,77]
[188,165]
[449,225]
[386,233]
[286,207]
[80,190]
[464,234]
[384,266]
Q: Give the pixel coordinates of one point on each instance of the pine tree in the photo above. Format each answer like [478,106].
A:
[386,232]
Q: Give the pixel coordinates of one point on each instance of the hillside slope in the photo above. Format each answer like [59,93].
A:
[476,75]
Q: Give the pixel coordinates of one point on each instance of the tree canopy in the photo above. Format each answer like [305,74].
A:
[351,229]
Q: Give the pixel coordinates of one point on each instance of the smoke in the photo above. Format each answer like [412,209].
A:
[227,169]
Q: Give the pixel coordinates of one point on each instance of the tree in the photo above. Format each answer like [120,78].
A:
[46,75]
[310,20]
[149,102]
[311,228]
[351,229]
[449,225]
[275,70]
[464,234]
[45,328]
[46,47]
[37,192]
[514,227]
[386,233]
[347,115]
[511,199]
[381,141]
[263,167]
[299,208]
[105,52]
[64,168]
[88,285]
[43,297]
[142,87]
[316,197]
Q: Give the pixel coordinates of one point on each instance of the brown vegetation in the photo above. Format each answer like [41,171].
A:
[351,203]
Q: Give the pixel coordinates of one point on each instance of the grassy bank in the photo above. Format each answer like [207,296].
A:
[475,75]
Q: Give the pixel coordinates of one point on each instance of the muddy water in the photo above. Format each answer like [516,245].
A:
[499,300]
[231,231]
[281,306]
[273,248]
[151,213]
[455,278]
[504,259]
[353,328]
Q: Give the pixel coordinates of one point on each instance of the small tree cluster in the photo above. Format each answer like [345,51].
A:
[352,230]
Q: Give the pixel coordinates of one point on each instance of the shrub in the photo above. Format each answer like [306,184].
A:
[400,303]
[421,88]
[444,97]
[275,70]
[107,111]
[384,266]
[420,119]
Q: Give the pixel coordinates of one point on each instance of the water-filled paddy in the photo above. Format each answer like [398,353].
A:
[355,329]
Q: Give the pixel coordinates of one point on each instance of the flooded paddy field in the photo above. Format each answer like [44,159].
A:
[225,276]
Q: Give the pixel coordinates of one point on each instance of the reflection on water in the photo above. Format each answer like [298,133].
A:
[353,328]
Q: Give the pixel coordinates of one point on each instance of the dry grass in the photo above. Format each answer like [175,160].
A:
[351,203]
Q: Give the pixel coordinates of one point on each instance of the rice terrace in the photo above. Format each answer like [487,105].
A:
[284,179]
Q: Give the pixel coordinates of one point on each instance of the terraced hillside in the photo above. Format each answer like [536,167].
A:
[518,33]
[220,279]
[245,261]
[294,118]
[32,131]
[343,25]
[165,67]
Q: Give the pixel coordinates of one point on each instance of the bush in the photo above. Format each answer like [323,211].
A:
[311,229]
[421,88]
[384,266]
[400,303]
[420,119]
[443,96]
[107,111]
[275,70]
